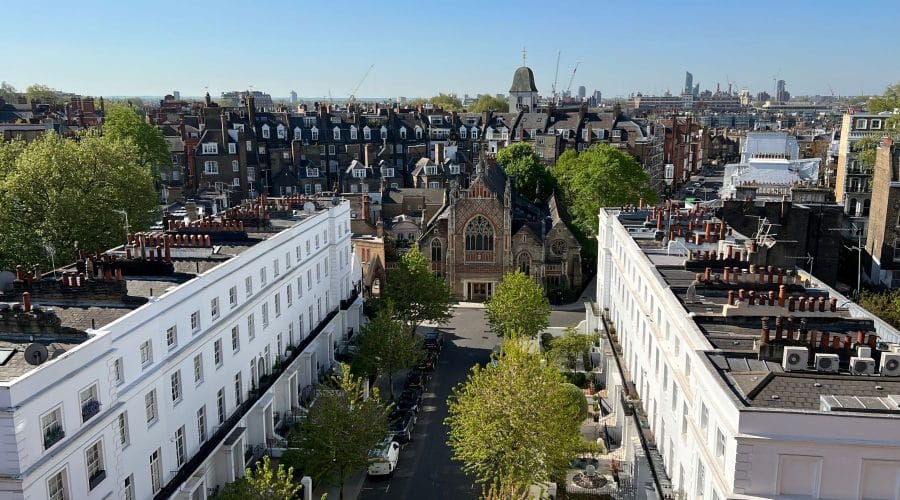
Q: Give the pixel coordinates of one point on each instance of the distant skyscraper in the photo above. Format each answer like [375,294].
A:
[696,92]
[596,98]
[293,97]
[582,92]
[780,92]
[688,83]
[177,95]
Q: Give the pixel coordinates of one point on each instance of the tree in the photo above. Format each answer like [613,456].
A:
[7,92]
[487,102]
[341,427]
[885,305]
[416,293]
[511,424]
[124,124]
[574,398]
[62,194]
[600,176]
[41,93]
[387,346]
[519,307]
[446,102]
[262,483]
[532,179]
[569,346]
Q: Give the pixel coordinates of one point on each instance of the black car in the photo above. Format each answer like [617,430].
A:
[428,362]
[402,423]
[433,341]
[409,400]
[416,378]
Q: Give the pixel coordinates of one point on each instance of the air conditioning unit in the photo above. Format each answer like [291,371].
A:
[827,362]
[864,352]
[795,358]
[895,348]
[890,364]
[862,366]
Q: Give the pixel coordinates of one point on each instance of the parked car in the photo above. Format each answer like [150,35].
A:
[428,362]
[417,378]
[690,190]
[433,340]
[409,399]
[402,423]
[383,458]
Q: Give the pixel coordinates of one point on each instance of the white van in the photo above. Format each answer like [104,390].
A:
[383,458]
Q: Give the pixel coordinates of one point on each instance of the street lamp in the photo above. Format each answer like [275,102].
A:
[858,248]
[123,212]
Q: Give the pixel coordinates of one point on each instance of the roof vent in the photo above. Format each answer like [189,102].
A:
[795,358]
[36,354]
[826,362]
[890,364]
[862,366]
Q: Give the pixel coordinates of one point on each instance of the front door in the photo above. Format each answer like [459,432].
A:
[479,291]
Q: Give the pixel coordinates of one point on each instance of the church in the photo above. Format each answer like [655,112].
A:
[482,232]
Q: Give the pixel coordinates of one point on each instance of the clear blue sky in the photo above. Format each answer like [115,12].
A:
[421,47]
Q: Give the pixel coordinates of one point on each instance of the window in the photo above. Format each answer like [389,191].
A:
[262,277]
[474,134]
[211,167]
[861,123]
[176,386]
[875,124]
[337,134]
[314,133]
[367,133]
[90,402]
[146,353]
[275,270]
[232,296]
[462,132]
[479,235]
[720,444]
[684,418]
[383,133]
[122,427]
[248,285]
[249,146]
[198,368]
[195,321]
[180,452]
[353,133]
[251,174]
[418,132]
[277,305]
[265,132]
[265,315]
[201,423]
[282,133]
[150,406]
[251,330]
[93,459]
[434,185]
[289,296]
[52,427]
[172,337]
[232,148]
[454,169]
[155,471]
[704,417]
[128,487]
[238,390]
[309,279]
[119,371]
[209,148]
[213,308]
[57,486]
[217,352]
[701,479]
[220,405]
[235,339]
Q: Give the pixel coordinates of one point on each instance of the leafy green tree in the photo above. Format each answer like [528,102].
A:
[885,305]
[41,93]
[61,194]
[446,102]
[511,424]
[532,178]
[574,398]
[569,346]
[600,176]
[889,101]
[262,483]
[487,102]
[519,307]
[341,427]
[7,92]
[417,294]
[124,124]
[387,346]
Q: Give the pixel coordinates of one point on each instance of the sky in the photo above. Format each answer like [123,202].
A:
[423,47]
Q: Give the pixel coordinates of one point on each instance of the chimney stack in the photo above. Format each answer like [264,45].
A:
[26,302]
[764,339]
[439,153]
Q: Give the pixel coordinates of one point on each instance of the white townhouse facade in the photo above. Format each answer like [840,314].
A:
[753,382]
[175,395]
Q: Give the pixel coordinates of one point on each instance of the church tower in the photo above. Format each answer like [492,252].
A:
[523,93]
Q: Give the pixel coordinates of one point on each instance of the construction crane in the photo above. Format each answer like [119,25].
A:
[571,79]
[358,85]
[556,76]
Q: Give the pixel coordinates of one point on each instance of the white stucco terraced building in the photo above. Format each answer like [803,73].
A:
[166,385]
[755,382]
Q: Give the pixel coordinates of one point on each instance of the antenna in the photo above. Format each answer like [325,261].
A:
[524,56]
[572,78]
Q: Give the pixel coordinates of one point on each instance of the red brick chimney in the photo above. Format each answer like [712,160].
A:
[439,153]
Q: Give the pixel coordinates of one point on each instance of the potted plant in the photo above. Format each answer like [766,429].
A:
[89,409]
[52,435]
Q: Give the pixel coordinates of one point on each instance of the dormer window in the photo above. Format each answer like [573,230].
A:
[474,134]
[383,133]
[353,133]
[298,133]
[418,132]
[265,131]
[403,132]
[337,134]
[309,121]
[210,148]
[875,124]
[462,132]
[367,133]
[312,172]
[431,170]
[454,169]
[489,135]
[315,134]
[282,133]
[387,172]
[359,173]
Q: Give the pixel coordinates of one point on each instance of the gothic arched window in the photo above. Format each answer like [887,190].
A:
[479,234]
[435,250]
[523,263]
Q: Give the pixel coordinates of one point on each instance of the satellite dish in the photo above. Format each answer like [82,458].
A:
[36,354]
[6,281]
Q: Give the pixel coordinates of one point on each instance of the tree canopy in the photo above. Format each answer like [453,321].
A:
[41,93]
[885,305]
[341,427]
[569,346]
[61,194]
[600,176]
[512,423]
[386,346]
[487,102]
[519,307]
[7,92]
[867,147]
[262,483]
[124,124]
[532,178]
[417,294]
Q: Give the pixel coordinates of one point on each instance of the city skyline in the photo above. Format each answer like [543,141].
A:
[154,55]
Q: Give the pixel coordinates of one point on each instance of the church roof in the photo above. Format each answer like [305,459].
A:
[523,80]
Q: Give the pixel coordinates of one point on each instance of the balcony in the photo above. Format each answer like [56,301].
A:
[89,409]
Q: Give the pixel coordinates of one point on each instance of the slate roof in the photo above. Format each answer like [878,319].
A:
[523,80]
